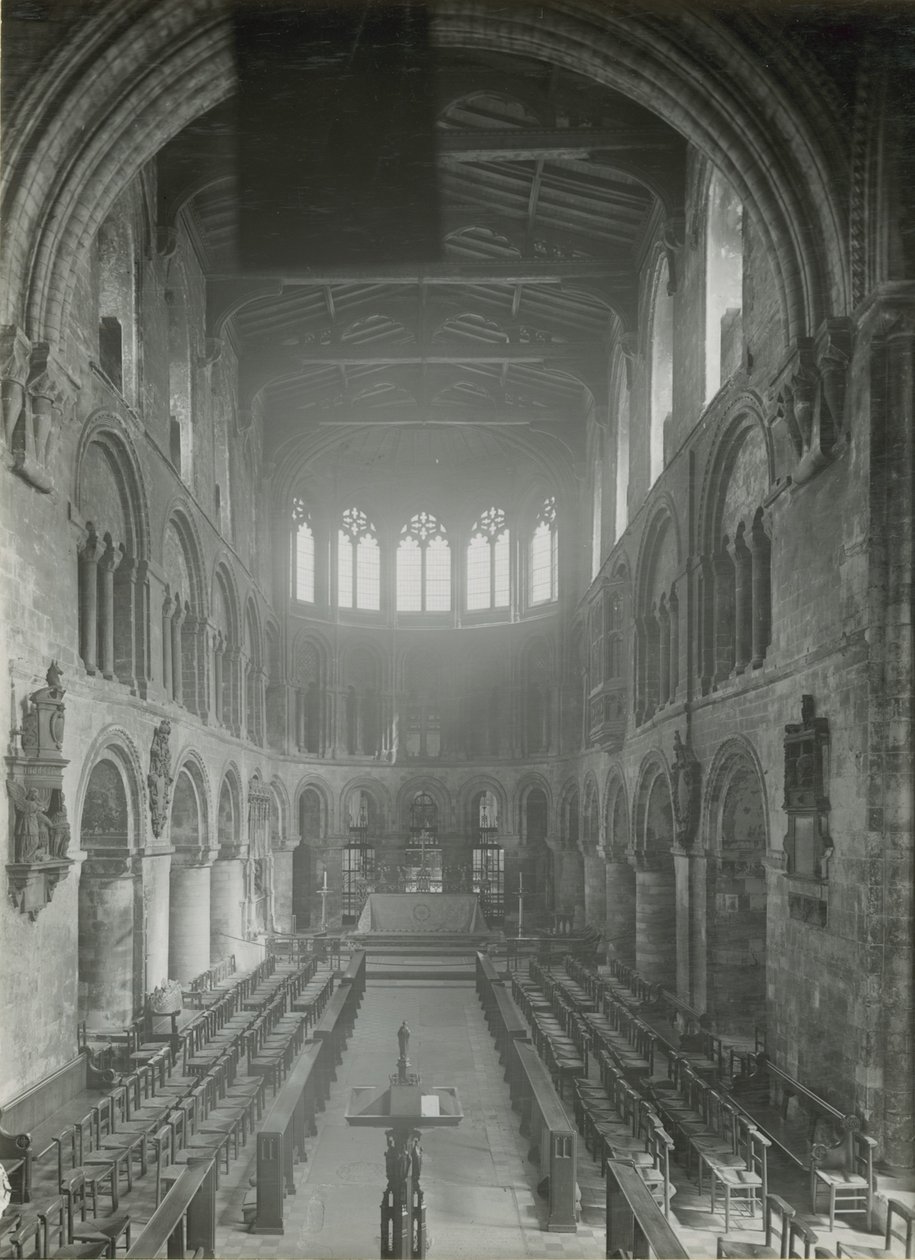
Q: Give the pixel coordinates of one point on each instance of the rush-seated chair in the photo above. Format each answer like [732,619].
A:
[107,1228]
[845,1167]
[906,1217]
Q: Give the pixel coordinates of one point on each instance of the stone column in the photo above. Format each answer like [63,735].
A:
[88,601]
[743,602]
[656,923]
[106,946]
[156,893]
[724,614]
[682,865]
[595,889]
[188,921]
[125,621]
[167,608]
[673,612]
[227,895]
[620,908]
[218,649]
[282,889]
[760,551]
[664,654]
[106,567]
[177,655]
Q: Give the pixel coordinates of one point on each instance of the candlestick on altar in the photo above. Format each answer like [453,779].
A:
[323,894]
[520,900]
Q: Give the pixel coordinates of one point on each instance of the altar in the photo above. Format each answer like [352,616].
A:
[422,914]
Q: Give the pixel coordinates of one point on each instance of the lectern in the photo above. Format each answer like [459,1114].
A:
[403,1110]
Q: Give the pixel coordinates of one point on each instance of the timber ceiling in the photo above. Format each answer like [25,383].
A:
[549,188]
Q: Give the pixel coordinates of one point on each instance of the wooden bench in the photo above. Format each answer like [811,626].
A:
[186,1217]
[553,1140]
[281,1140]
[636,1225]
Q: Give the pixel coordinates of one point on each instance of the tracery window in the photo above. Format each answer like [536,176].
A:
[488,556]
[303,554]
[358,562]
[544,567]
[423,566]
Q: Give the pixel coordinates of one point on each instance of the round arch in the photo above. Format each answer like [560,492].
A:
[465,800]
[115,745]
[529,783]
[380,797]
[321,791]
[105,430]
[436,789]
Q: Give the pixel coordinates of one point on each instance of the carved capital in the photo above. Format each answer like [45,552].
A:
[33,411]
[212,349]
[166,241]
[808,395]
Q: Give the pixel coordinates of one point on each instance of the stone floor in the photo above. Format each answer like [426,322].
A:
[478,1185]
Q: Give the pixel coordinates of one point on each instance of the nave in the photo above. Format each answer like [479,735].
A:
[648,1101]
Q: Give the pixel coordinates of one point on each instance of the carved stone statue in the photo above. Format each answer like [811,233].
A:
[42,729]
[416,1160]
[59,833]
[32,824]
[403,1039]
[390,1162]
[159,779]
[686,790]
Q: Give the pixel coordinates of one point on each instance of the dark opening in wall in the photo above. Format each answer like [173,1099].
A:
[174,442]
[110,350]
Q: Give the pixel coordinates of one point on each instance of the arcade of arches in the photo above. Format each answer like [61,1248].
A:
[575,562]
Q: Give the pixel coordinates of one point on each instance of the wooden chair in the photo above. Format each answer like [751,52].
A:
[70,1143]
[107,1228]
[846,1169]
[27,1238]
[748,1183]
[906,1215]
[54,1216]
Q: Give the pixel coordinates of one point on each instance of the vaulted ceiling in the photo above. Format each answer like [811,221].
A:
[549,188]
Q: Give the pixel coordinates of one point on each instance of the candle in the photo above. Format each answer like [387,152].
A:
[325,878]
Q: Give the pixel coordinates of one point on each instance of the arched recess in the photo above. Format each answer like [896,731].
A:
[184,614]
[111,938]
[703,76]
[620,872]
[227,878]
[226,648]
[468,804]
[113,588]
[536,862]
[655,880]
[595,876]
[569,905]
[374,796]
[275,699]
[432,787]
[312,812]
[189,897]
[253,673]
[309,676]
[735,568]
[736,825]
[657,626]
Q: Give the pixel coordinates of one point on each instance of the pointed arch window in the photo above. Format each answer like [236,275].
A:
[544,567]
[423,566]
[723,284]
[488,555]
[303,554]
[662,371]
[358,562]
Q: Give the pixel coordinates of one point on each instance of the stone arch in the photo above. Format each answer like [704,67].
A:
[253,678]
[595,871]
[657,618]
[105,430]
[111,946]
[467,795]
[194,814]
[656,951]
[620,874]
[225,619]
[436,789]
[180,519]
[735,829]
[529,783]
[380,803]
[569,888]
[711,85]
[734,574]
[184,612]
[362,673]
[309,675]
[114,744]
[229,810]
[321,792]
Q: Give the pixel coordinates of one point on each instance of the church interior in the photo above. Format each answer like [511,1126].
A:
[456,570]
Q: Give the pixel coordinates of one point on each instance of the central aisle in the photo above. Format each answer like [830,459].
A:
[479,1187]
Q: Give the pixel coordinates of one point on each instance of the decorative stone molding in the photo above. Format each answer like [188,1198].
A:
[159,779]
[38,820]
[38,394]
[808,396]
[212,349]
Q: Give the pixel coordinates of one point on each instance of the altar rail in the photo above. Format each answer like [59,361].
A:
[291,1118]
[553,1140]
[186,1217]
[636,1225]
